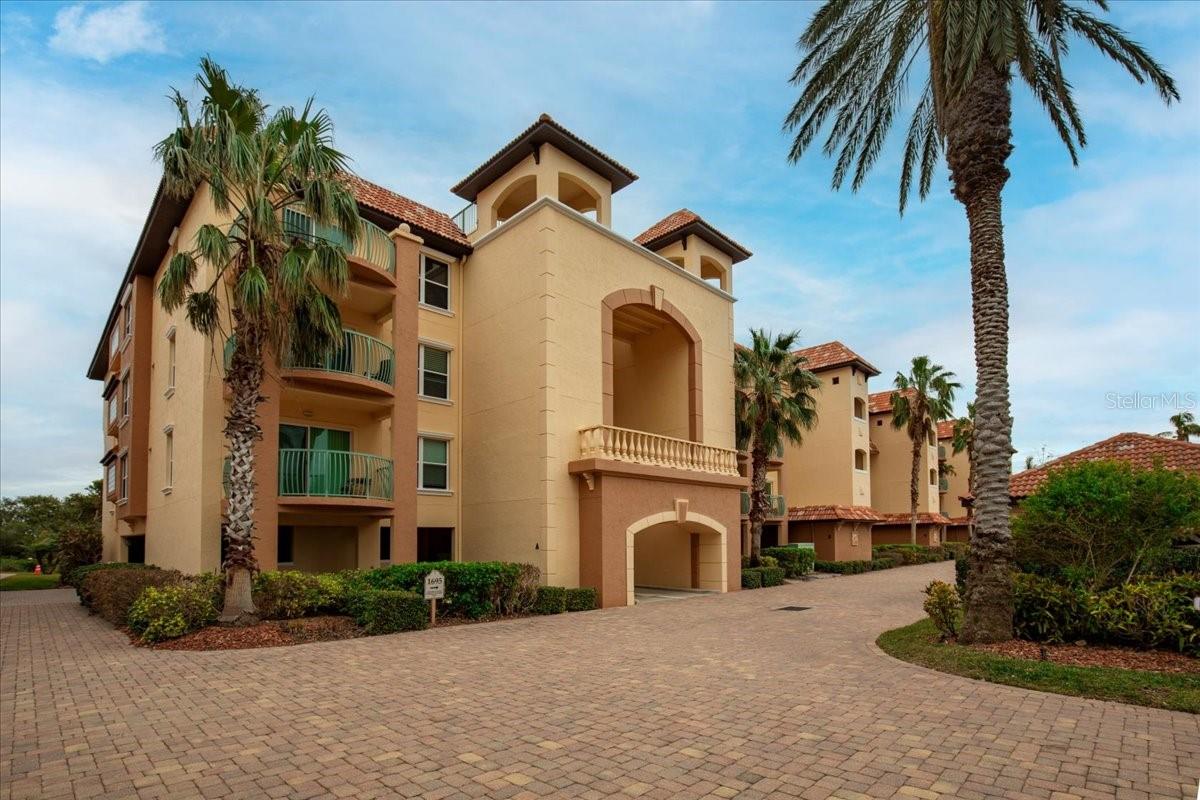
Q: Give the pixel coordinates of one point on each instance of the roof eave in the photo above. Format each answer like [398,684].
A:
[706,232]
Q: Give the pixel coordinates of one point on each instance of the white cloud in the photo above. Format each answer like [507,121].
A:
[106,33]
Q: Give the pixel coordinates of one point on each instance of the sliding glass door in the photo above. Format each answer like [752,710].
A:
[313,461]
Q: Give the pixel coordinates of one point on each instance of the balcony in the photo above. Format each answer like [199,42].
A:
[373,248]
[468,219]
[651,449]
[363,364]
[943,484]
[776,503]
[344,478]
[941,452]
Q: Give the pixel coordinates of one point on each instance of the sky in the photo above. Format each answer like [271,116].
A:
[1103,259]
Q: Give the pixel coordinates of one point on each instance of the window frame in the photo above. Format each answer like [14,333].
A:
[421,370]
[866,460]
[421,463]
[170,390]
[126,396]
[169,458]
[110,479]
[854,406]
[423,279]
[123,477]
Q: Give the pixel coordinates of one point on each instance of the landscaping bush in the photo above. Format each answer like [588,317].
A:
[943,607]
[1176,561]
[10,564]
[77,548]
[955,550]
[962,565]
[76,576]
[752,578]
[391,611]
[1146,614]
[772,576]
[844,567]
[111,592]
[1101,523]
[550,600]
[581,599]
[286,595]
[473,589]
[330,594]
[910,553]
[175,609]
[524,593]
[796,561]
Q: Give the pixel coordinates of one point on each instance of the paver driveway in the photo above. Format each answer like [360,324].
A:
[718,696]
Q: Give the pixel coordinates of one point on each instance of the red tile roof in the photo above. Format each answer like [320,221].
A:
[660,233]
[834,354]
[1139,449]
[923,518]
[543,129]
[945,429]
[879,402]
[963,520]
[406,210]
[824,513]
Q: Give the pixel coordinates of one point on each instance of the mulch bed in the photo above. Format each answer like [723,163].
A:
[1096,656]
[272,633]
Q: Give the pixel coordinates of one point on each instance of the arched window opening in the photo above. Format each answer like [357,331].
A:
[516,197]
[714,273]
[651,359]
[577,195]
[860,459]
[860,408]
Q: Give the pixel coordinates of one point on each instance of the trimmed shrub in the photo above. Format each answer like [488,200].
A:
[111,592]
[772,576]
[752,578]
[943,607]
[581,599]
[524,591]
[391,611]
[473,589]
[329,594]
[550,600]
[844,567]
[768,561]
[796,561]
[1049,611]
[910,553]
[76,576]
[286,595]
[173,610]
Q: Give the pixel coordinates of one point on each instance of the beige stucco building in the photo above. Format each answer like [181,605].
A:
[518,382]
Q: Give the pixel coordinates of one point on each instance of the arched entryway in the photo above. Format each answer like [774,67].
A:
[664,553]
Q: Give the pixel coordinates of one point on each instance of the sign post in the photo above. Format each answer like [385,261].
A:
[435,589]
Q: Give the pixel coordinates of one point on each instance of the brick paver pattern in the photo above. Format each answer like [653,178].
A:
[715,697]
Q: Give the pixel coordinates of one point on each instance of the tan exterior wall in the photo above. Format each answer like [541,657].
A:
[960,481]
[821,471]
[927,535]
[834,540]
[533,361]
[545,170]
[891,469]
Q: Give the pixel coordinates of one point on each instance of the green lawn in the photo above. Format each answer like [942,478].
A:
[918,643]
[28,581]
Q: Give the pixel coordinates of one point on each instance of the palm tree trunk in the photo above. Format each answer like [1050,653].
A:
[244,377]
[914,489]
[758,498]
[978,142]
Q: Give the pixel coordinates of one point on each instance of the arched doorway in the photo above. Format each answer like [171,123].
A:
[662,552]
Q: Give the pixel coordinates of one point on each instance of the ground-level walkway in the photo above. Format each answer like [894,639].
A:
[720,696]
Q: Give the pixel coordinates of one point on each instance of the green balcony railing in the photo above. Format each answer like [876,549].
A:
[373,244]
[361,355]
[778,507]
[941,452]
[331,473]
[468,219]
[943,484]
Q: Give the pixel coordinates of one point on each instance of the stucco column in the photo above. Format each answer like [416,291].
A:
[266,470]
[404,406]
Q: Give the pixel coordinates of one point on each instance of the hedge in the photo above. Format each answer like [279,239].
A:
[171,611]
[796,561]
[1145,614]
[391,611]
[473,589]
[550,600]
[290,594]
[75,577]
[752,577]
[761,577]
[581,599]
[111,592]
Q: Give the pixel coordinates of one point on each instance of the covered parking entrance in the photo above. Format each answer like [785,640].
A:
[665,555]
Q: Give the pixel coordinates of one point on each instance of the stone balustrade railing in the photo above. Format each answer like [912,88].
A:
[640,447]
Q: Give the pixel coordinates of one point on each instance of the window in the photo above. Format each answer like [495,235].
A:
[435,544]
[433,469]
[169,455]
[171,360]
[836,381]
[435,283]
[126,392]
[385,543]
[878,423]
[124,469]
[114,340]
[933,479]
[860,408]
[284,544]
[860,459]
[435,372]
[110,478]
[932,441]
[127,316]
[110,404]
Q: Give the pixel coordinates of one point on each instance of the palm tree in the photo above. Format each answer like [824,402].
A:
[922,398]
[857,61]
[1185,426]
[272,277]
[962,439]
[774,402]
